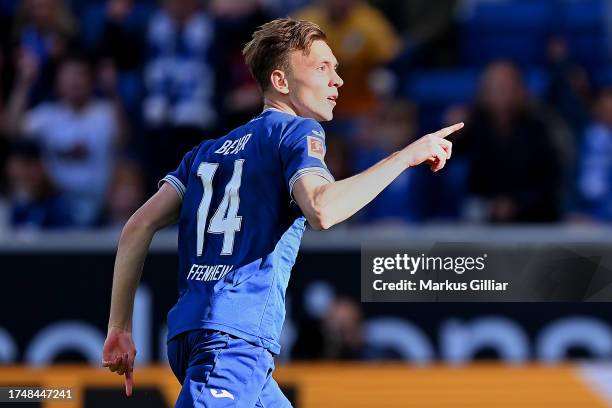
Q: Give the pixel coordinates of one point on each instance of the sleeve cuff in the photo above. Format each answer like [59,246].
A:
[316,171]
[175,183]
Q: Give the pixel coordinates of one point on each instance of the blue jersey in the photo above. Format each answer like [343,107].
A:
[239,232]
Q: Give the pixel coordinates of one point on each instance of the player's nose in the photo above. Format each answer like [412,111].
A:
[336,80]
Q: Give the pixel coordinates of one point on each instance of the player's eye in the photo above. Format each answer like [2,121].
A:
[321,68]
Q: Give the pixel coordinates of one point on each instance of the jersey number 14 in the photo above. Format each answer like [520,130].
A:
[225,220]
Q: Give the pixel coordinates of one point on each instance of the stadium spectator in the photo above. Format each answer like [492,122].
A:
[595,163]
[569,92]
[514,163]
[179,84]
[34,201]
[240,100]
[343,327]
[569,96]
[123,36]
[363,40]
[122,46]
[46,30]
[77,132]
[339,335]
[125,194]
[428,30]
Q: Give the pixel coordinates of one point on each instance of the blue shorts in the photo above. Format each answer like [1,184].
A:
[220,370]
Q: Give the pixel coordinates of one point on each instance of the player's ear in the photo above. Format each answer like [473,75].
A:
[279,81]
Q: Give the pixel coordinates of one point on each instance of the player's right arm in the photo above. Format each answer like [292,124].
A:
[159,211]
[325,204]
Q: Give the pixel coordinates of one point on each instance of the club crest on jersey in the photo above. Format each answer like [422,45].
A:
[316,148]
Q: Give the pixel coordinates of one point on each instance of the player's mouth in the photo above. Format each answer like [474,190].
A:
[332,99]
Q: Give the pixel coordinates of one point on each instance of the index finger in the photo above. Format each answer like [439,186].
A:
[129,382]
[449,130]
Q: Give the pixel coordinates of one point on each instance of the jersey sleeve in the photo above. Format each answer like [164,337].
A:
[178,178]
[302,152]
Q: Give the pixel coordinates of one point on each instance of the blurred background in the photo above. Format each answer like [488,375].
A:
[99,99]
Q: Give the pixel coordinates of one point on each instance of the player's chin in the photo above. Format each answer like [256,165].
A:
[326,115]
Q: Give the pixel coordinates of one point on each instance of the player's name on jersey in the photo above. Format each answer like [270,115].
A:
[233,146]
[208,273]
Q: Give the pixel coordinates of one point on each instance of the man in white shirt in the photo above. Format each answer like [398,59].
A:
[78,134]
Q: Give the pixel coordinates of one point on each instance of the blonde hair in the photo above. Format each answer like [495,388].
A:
[271,44]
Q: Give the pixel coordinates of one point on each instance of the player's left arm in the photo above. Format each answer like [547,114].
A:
[325,203]
[160,210]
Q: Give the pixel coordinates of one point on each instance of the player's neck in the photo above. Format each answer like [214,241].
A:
[279,105]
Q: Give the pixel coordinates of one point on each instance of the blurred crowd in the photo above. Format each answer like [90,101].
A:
[99,99]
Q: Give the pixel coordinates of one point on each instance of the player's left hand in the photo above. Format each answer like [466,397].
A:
[118,355]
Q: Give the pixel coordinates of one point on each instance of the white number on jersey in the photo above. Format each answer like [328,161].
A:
[225,220]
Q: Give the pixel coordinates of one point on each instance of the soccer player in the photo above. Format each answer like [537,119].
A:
[241,202]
